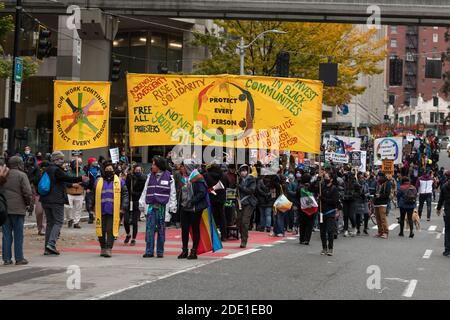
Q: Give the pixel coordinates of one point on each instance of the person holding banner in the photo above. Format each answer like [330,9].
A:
[111,198]
[159,191]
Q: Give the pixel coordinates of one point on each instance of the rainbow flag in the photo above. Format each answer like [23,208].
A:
[209,237]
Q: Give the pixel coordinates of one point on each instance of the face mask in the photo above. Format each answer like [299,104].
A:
[59,162]
[327,181]
[109,174]
[298,175]
[244,174]
[27,152]
[138,174]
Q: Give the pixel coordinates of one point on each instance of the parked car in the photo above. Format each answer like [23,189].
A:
[444,142]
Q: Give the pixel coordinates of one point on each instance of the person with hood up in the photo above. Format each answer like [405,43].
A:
[247,202]
[93,172]
[193,201]
[111,198]
[17,191]
[159,191]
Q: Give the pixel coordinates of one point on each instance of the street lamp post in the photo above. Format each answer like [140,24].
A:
[242,46]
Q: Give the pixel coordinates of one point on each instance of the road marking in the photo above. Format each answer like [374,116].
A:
[427,254]
[409,291]
[443,230]
[432,228]
[108,294]
[267,245]
[292,238]
[280,241]
[393,226]
[438,236]
[240,254]
[177,237]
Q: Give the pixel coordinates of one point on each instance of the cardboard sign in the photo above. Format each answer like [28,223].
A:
[387,166]
[114,155]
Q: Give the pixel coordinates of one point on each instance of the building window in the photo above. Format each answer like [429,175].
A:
[393,43]
[413,119]
[432,117]
[436,28]
[394,29]
[400,120]
[407,120]
[435,37]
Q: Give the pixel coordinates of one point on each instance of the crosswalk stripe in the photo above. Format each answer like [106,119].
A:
[393,226]
[292,238]
[242,253]
[432,228]
[280,241]
[409,291]
[427,254]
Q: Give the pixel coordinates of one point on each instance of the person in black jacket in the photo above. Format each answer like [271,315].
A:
[444,201]
[247,201]
[380,204]
[53,202]
[306,220]
[328,203]
[193,202]
[266,195]
[217,184]
[135,185]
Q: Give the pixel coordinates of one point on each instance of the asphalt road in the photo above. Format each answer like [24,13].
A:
[407,268]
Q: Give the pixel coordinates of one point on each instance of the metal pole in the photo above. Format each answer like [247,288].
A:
[242,56]
[12,108]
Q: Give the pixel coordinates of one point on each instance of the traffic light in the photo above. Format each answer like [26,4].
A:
[115,70]
[44,44]
[395,72]
[283,64]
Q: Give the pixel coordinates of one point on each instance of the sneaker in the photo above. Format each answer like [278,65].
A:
[22,262]
[148,255]
[267,229]
[127,239]
[133,243]
[323,252]
[52,250]
[70,223]
[160,256]
[108,253]
[346,233]
[102,252]
[365,232]
[411,235]
[243,245]
[428,219]
[401,234]
[316,229]
[184,254]
[280,235]
[358,233]
[76,226]
[446,253]
[330,252]
[7,263]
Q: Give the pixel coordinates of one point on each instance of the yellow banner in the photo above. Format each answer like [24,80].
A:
[225,110]
[81,115]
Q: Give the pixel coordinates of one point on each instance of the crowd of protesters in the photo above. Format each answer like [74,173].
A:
[239,196]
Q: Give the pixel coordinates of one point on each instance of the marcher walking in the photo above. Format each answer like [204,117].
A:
[135,185]
[444,202]
[380,204]
[406,198]
[17,191]
[328,204]
[247,202]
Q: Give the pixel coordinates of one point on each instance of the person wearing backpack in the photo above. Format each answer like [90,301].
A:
[380,204]
[348,201]
[406,199]
[54,181]
[17,191]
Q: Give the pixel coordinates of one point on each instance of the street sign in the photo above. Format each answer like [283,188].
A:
[17,90]
[387,166]
[18,69]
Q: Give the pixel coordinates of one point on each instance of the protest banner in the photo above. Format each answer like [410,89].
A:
[387,166]
[388,148]
[239,111]
[81,115]
[338,148]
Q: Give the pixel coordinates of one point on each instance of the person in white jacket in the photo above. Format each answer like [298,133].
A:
[157,198]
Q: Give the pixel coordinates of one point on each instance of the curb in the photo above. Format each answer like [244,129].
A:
[32,225]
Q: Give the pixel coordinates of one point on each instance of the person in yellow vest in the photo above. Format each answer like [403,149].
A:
[111,198]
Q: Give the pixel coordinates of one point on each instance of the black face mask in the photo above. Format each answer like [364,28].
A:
[327,181]
[109,175]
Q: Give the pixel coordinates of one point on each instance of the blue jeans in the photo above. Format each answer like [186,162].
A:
[155,223]
[279,228]
[265,219]
[13,231]
[447,232]
[422,198]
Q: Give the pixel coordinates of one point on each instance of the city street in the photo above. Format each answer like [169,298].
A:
[269,268]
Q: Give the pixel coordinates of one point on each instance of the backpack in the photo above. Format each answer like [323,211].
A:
[187,195]
[44,184]
[3,209]
[410,195]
